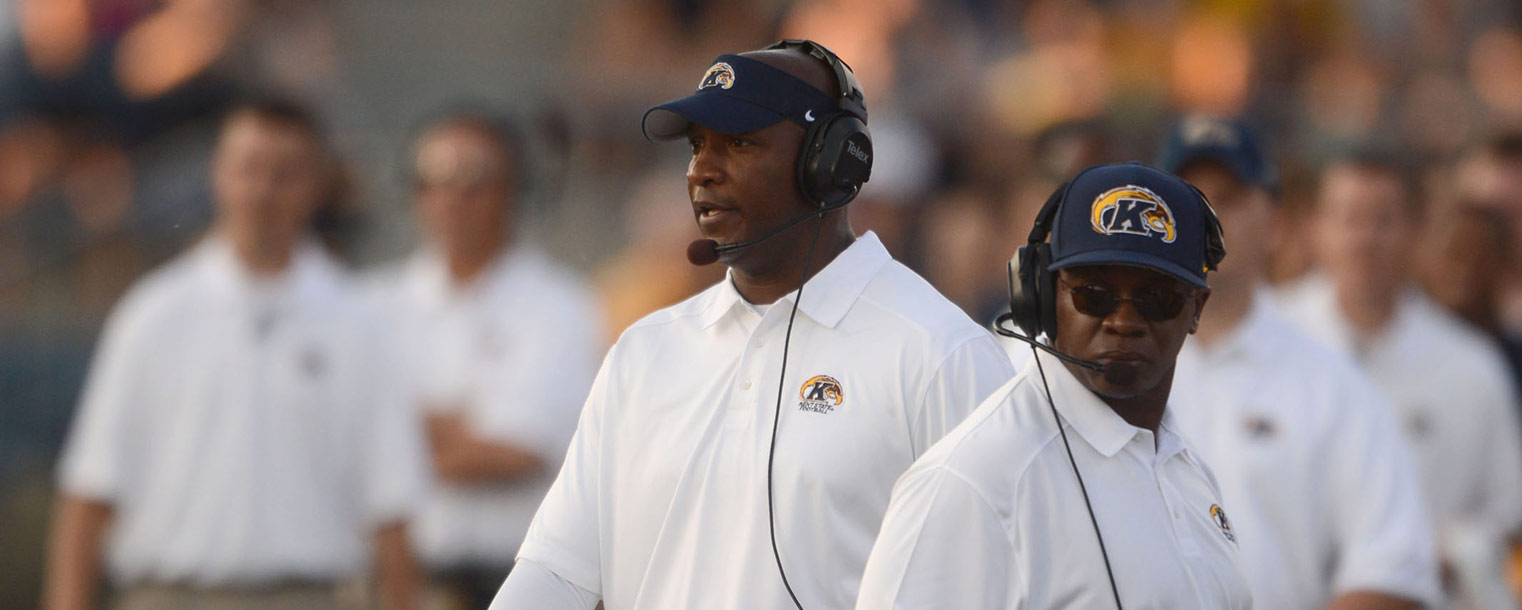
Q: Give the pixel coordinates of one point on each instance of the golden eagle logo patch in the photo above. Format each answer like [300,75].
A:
[1218,515]
[1133,210]
[718,75]
[820,394]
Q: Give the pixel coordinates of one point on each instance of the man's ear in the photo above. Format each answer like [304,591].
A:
[1199,307]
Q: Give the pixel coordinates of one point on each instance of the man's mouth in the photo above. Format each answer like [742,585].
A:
[1131,358]
[710,214]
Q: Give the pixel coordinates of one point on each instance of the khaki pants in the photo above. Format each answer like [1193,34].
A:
[277,597]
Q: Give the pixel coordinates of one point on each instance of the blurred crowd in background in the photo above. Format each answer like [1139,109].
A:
[979,108]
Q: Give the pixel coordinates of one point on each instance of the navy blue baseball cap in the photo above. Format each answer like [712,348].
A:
[1230,144]
[739,95]
[1132,214]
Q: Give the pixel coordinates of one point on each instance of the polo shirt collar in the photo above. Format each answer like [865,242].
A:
[1170,441]
[1337,330]
[227,275]
[429,283]
[1090,417]
[830,293]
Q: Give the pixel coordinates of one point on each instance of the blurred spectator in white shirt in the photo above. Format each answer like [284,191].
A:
[240,443]
[500,344]
[1448,383]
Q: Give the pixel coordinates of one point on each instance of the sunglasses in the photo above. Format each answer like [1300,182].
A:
[1156,304]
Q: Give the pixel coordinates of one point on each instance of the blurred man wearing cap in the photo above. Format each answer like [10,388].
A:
[1070,487]
[1448,383]
[693,480]
[1324,496]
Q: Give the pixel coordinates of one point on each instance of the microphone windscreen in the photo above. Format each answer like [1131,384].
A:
[703,252]
[1120,373]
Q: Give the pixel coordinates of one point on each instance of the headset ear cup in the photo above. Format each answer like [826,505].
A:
[1021,301]
[836,159]
[1045,282]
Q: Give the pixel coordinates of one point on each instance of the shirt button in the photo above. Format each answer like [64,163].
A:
[760,343]
[1177,514]
[745,385]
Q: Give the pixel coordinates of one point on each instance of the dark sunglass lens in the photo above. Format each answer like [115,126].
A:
[1160,305]
[1095,301]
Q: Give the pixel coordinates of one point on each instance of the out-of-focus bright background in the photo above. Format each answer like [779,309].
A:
[979,108]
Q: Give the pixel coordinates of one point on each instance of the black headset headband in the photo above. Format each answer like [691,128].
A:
[849,93]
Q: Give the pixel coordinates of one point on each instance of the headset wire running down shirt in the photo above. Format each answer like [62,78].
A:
[662,501]
[993,517]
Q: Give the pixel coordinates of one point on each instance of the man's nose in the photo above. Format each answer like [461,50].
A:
[1126,320]
[706,167]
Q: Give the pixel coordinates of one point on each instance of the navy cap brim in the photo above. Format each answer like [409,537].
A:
[1132,258]
[721,113]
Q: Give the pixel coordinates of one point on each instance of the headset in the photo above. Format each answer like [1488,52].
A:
[1033,307]
[836,158]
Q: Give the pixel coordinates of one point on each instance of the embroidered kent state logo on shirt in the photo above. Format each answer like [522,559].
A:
[1218,515]
[820,394]
[1133,210]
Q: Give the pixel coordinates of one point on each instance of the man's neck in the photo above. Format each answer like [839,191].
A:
[1144,410]
[1228,310]
[1368,312]
[764,288]
[465,268]
[264,260]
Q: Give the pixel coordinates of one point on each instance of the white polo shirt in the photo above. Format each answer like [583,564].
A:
[244,429]
[1452,395]
[514,354]
[662,501]
[993,517]
[1324,496]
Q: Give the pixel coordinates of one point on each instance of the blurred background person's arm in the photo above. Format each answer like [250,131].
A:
[398,579]
[460,456]
[74,571]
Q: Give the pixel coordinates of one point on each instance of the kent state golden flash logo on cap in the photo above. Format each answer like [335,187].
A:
[718,75]
[1133,210]
[820,394]
[1218,515]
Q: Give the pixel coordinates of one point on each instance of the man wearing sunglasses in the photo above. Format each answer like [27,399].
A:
[1322,487]
[1070,486]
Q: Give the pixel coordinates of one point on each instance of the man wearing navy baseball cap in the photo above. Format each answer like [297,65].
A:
[1278,416]
[1071,487]
[737,449]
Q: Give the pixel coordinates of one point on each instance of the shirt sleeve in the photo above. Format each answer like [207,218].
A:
[1384,537]
[941,546]
[531,586]
[395,460]
[97,457]
[566,534]
[970,374]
